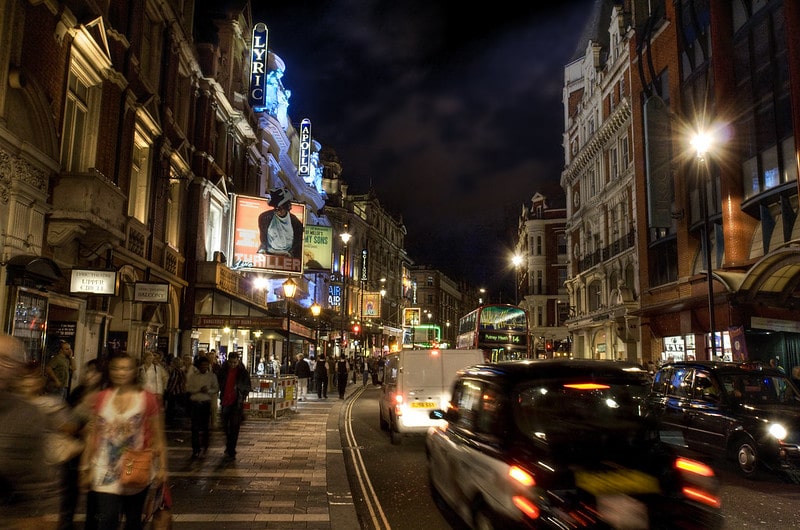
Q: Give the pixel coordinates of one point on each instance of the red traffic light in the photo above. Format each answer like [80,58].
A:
[356,328]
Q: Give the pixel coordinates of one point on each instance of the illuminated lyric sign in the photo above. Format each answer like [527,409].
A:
[258,67]
[304,156]
[151,292]
[93,282]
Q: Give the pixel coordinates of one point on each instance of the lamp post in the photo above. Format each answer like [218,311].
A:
[316,309]
[701,143]
[289,288]
[516,260]
[345,239]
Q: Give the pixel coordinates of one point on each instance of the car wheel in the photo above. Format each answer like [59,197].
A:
[747,457]
[394,435]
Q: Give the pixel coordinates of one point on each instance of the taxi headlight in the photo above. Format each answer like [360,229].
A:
[777,431]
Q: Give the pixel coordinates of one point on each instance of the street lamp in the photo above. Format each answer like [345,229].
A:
[516,260]
[316,309]
[345,239]
[702,143]
[289,288]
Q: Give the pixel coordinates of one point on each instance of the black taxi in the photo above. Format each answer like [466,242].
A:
[745,412]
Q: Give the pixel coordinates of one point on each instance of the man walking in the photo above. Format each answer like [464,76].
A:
[203,387]
[234,385]
[321,377]
[342,372]
[302,371]
[59,370]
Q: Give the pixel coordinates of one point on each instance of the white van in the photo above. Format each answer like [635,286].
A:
[415,382]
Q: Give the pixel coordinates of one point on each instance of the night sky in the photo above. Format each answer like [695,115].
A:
[452,115]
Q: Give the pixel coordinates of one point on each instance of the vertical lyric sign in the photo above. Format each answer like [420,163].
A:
[258,67]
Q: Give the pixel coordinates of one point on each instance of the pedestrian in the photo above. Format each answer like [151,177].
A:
[152,376]
[342,373]
[302,371]
[273,367]
[59,370]
[321,377]
[311,380]
[124,417]
[234,386]
[29,488]
[203,387]
[331,365]
[81,401]
[773,363]
[365,371]
[175,392]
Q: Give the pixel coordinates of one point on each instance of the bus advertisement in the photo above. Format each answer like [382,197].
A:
[500,330]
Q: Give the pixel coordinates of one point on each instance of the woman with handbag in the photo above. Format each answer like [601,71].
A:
[125,450]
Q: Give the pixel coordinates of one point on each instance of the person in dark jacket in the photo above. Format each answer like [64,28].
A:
[321,377]
[302,371]
[280,231]
[342,372]
[234,387]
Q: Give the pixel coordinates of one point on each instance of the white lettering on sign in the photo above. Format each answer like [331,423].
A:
[258,66]
[304,156]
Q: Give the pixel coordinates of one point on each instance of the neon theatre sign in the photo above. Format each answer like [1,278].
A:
[304,156]
[258,67]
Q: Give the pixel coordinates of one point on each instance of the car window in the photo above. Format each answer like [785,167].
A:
[680,383]
[704,387]
[661,380]
[755,388]
[563,413]
[466,400]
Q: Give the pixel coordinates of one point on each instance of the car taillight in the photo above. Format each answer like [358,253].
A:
[526,506]
[521,476]
[700,481]
[693,466]
[398,399]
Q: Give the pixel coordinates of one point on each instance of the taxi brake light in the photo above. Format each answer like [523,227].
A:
[587,386]
[693,466]
[702,497]
[521,476]
[434,352]
[398,399]
[526,506]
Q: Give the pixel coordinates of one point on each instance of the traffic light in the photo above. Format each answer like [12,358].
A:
[548,346]
[356,329]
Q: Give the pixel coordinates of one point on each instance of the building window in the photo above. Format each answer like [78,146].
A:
[78,143]
[538,245]
[562,243]
[138,197]
[429,281]
[151,48]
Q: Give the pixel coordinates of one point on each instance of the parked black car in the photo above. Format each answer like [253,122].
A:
[562,444]
[746,412]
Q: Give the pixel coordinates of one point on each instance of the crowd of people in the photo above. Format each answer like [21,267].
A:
[62,439]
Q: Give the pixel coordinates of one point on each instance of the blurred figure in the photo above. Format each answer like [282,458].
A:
[123,416]
[773,363]
[175,405]
[203,388]
[81,401]
[28,485]
[152,376]
[273,367]
[364,371]
[321,377]
[302,371]
[234,386]
[59,370]
[342,374]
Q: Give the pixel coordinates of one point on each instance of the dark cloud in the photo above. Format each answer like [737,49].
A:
[453,115]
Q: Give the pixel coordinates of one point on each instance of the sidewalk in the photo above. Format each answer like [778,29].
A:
[289,473]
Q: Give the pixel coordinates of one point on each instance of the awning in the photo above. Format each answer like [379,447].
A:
[32,271]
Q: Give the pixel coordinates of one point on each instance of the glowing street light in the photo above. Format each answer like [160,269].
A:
[345,236]
[702,142]
[289,290]
[516,260]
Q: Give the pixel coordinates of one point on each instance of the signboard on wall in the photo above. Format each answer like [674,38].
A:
[317,248]
[258,67]
[85,281]
[250,232]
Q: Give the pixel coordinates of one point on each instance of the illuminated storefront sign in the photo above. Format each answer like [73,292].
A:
[258,67]
[93,282]
[304,156]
